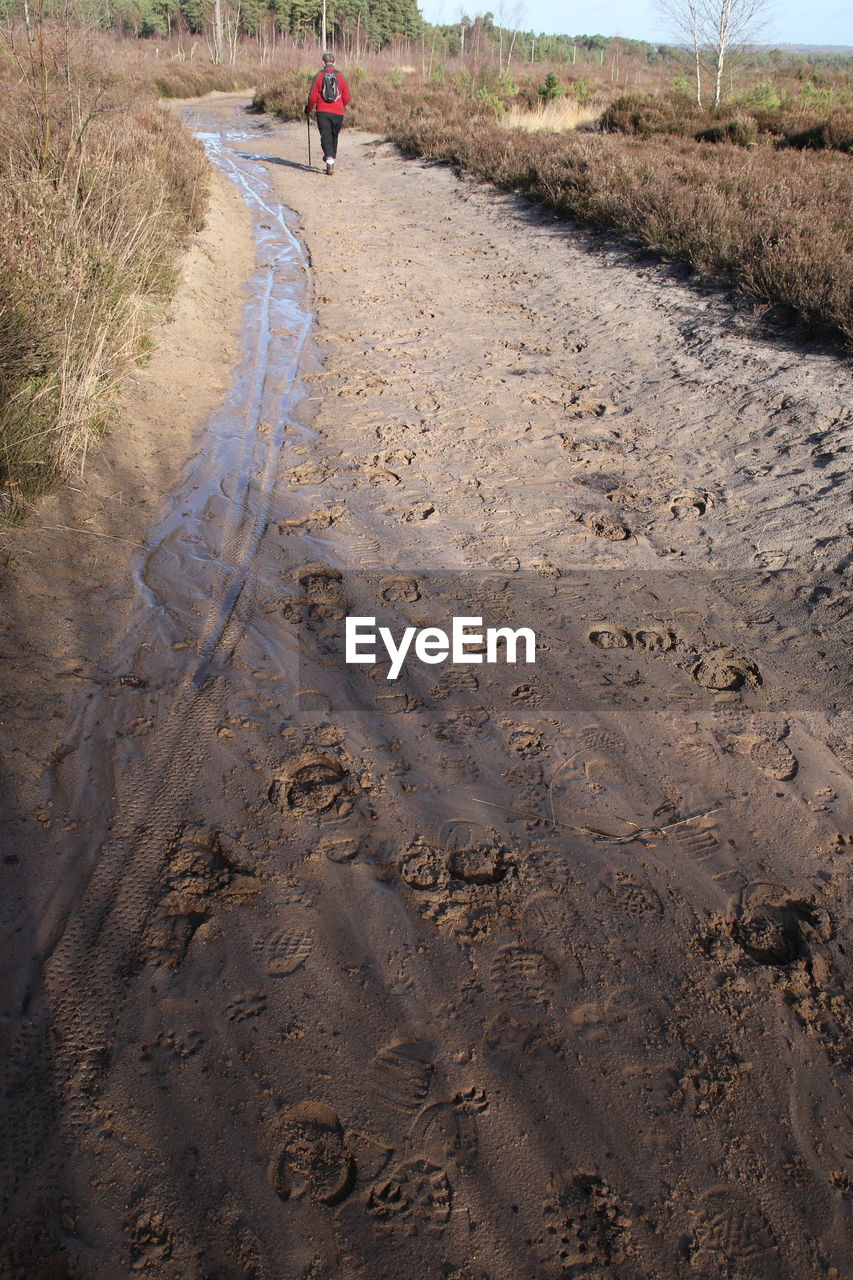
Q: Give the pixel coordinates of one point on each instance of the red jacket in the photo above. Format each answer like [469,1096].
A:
[318,103]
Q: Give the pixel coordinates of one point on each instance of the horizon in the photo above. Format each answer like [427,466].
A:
[826,23]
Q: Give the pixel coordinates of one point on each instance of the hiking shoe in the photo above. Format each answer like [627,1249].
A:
[330,169]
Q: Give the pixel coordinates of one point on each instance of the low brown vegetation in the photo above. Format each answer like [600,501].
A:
[188,80]
[98,192]
[678,115]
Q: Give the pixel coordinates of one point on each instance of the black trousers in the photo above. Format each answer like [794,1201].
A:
[329,123]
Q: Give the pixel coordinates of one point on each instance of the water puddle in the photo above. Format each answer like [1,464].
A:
[205,544]
[135,747]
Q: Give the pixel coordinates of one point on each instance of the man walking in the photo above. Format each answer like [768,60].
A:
[328,97]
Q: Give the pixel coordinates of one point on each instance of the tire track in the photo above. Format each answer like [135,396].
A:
[93,940]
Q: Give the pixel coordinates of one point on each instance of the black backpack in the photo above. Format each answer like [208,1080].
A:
[329,90]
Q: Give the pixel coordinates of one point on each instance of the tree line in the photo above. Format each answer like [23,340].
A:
[375,23]
[707,33]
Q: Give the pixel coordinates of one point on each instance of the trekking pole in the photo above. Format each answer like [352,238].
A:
[308,122]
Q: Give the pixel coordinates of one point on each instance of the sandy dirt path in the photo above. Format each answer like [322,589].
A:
[490,971]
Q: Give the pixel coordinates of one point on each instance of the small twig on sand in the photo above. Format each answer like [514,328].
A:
[645,833]
[506,809]
[69,528]
[639,833]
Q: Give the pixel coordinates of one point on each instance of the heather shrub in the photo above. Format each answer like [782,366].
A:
[284,96]
[644,115]
[838,131]
[186,80]
[741,130]
[796,124]
[808,131]
[97,197]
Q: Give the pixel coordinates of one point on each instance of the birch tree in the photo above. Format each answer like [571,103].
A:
[519,10]
[729,23]
[218,33]
[714,29]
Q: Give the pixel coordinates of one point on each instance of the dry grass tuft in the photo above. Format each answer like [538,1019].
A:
[557,116]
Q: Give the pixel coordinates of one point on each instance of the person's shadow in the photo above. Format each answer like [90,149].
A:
[289,164]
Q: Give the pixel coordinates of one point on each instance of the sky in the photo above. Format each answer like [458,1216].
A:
[791,21]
